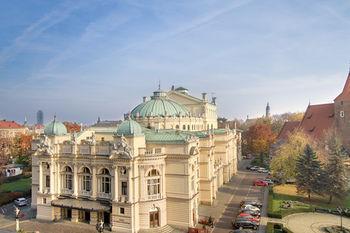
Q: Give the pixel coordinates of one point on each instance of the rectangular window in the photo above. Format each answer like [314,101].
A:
[47,182]
[87,183]
[153,186]
[122,211]
[44,200]
[124,188]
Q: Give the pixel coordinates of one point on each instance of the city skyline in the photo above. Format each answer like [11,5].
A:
[80,60]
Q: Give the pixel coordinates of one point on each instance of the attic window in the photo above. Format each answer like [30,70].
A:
[312,130]
[342,114]
[309,116]
[331,115]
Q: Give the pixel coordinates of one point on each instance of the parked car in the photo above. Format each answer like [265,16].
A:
[250,218]
[247,215]
[269,181]
[254,168]
[251,212]
[250,207]
[248,167]
[245,224]
[260,183]
[252,202]
[263,170]
[21,201]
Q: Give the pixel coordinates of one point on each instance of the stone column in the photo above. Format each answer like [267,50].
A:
[75,180]
[40,177]
[130,185]
[58,178]
[93,218]
[163,185]
[52,178]
[75,215]
[94,183]
[116,184]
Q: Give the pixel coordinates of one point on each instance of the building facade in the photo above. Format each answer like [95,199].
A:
[164,159]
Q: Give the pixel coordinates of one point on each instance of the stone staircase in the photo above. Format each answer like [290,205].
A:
[165,229]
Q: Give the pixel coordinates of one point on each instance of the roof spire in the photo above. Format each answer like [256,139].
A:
[159,85]
[54,118]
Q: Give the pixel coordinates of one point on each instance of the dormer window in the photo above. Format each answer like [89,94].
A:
[342,114]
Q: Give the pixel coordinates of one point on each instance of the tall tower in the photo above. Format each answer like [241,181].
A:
[267,114]
[342,113]
[40,118]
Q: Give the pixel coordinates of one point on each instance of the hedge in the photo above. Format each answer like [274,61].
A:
[8,197]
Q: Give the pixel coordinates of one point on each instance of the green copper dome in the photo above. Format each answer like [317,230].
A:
[55,128]
[129,127]
[159,105]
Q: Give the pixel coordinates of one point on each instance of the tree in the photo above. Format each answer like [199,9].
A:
[259,137]
[308,173]
[335,177]
[283,164]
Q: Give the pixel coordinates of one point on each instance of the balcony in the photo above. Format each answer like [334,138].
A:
[84,193]
[66,149]
[67,191]
[154,196]
[123,199]
[104,195]
[103,150]
[84,149]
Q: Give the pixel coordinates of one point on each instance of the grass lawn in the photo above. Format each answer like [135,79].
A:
[301,203]
[21,185]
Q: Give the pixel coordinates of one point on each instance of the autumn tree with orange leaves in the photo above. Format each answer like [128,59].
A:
[258,138]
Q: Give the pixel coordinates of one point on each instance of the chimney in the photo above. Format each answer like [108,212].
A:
[204,96]
[172,87]
[144,99]
[213,100]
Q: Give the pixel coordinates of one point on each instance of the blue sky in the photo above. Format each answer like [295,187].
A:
[84,59]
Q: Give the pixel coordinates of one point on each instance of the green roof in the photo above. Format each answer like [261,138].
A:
[159,105]
[220,131]
[129,127]
[166,136]
[55,128]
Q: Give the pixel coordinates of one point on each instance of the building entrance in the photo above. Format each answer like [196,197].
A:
[154,219]
[66,213]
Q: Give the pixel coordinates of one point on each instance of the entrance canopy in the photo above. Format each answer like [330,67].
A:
[80,204]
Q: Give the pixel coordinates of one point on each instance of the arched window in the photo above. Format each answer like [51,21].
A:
[153,184]
[184,127]
[67,179]
[177,127]
[105,181]
[188,127]
[85,180]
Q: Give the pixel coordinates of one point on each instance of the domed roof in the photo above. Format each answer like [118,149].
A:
[159,105]
[129,127]
[55,128]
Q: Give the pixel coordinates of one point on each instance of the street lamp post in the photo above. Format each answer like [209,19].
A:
[17,211]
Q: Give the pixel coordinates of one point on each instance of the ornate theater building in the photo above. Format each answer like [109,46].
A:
[148,175]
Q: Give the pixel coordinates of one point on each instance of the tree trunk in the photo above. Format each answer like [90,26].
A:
[330,199]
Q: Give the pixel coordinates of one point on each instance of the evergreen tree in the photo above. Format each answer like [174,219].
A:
[336,182]
[308,172]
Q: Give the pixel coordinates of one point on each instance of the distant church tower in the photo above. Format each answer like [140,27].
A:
[267,114]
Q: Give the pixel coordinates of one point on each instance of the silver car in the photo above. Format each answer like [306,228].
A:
[21,201]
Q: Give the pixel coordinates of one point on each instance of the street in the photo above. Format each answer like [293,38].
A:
[227,204]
